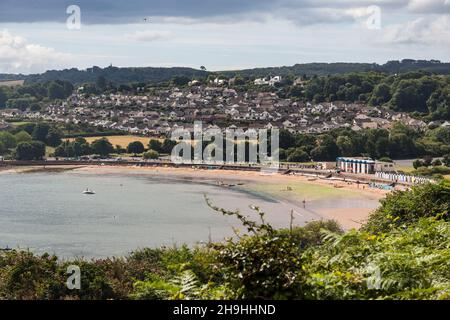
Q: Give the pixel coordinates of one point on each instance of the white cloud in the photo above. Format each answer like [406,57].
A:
[17,55]
[427,31]
[149,35]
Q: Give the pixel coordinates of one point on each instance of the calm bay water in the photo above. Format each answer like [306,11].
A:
[47,212]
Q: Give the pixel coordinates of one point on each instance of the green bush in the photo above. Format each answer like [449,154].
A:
[407,263]
[422,171]
[402,208]
[151,154]
[312,233]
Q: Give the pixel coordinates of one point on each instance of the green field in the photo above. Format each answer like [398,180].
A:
[19,123]
[300,190]
[122,141]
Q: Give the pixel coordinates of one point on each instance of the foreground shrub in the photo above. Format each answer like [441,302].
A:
[401,208]
[25,276]
[410,263]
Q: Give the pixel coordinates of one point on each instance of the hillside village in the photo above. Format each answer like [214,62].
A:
[217,106]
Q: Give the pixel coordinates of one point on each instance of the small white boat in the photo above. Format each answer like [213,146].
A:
[87,191]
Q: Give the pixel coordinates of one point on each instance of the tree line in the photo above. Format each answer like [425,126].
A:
[400,142]
[420,92]
[30,141]
[34,96]
[103,147]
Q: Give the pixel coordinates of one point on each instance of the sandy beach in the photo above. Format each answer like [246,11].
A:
[235,175]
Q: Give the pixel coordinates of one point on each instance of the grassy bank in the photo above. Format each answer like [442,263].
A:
[300,190]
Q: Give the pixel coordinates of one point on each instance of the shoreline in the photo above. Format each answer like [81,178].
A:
[232,175]
[314,190]
[293,189]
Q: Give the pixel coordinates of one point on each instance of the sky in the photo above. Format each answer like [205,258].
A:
[41,35]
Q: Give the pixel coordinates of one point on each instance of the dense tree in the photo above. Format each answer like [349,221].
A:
[402,145]
[40,132]
[81,147]
[411,92]
[296,92]
[65,149]
[399,142]
[135,147]
[345,145]
[3,149]
[155,145]
[78,147]
[305,141]
[21,103]
[287,139]
[8,140]
[327,150]
[68,88]
[56,91]
[298,155]
[439,103]
[380,95]
[180,80]
[101,83]
[442,135]
[22,136]
[53,137]
[102,147]
[377,143]
[406,97]
[3,98]
[33,150]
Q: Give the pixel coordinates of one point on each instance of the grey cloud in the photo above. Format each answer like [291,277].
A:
[115,11]
[119,11]
[429,6]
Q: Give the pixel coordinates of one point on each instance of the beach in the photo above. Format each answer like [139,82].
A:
[300,191]
[313,194]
